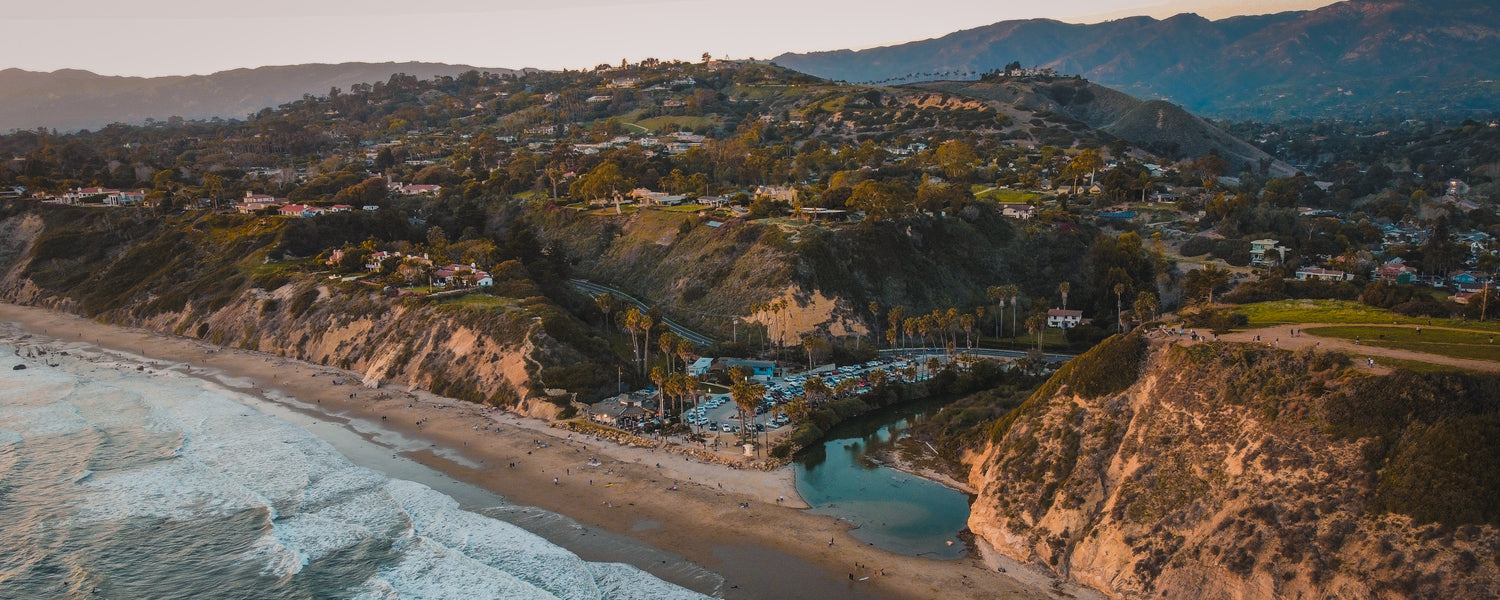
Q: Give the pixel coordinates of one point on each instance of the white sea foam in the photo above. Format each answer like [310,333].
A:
[225,457]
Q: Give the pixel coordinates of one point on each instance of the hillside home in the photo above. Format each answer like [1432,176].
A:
[1259,248]
[456,275]
[1321,274]
[1018,211]
[1064,319]
[1396,271]
[299,210]
[761,369]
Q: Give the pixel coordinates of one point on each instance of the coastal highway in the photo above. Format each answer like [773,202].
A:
[594,290]
[977,351]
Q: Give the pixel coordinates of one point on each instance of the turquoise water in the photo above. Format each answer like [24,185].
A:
[891,509]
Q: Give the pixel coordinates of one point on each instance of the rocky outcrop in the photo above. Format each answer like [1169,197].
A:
[1222,471]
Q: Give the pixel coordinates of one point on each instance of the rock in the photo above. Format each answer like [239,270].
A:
[18,368]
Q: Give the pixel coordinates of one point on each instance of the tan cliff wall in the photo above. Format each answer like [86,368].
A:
[483,354]
[1214,476]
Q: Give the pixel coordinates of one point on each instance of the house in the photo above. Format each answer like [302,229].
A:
[418,189]
[1259,248]
[757,368]
[126,197]
[299,210]
[618,411]
[246,208]
[1018,211]
[784,193]
[462,276]
[340,208]
[1321,274]
[700,366]
[1064,319]
[1396,271]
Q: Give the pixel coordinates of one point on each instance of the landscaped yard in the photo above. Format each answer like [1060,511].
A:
[1004,196]
[1475,345]
[1286,312]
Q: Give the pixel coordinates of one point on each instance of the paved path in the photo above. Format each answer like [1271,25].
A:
[595,290]
[1280,336]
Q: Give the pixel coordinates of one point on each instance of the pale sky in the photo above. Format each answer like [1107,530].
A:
[179,37]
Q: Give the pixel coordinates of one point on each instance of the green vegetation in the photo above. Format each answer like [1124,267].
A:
[1003,196]
[1435,441]
[1108,368]
[1475,345]
[1288,312]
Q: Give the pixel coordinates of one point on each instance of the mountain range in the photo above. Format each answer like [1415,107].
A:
[1350,59]
[72,99]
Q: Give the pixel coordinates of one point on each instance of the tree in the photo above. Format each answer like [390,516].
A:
[1202,283]
[668,344]
[1119,291]
[659,378]
[746,396]
[606,302]
[632,326]
[1014,291]
[815,390]
[956,158]
[1063,289]
[1146,304]
[812,343]
[645,323]
[967,321]
[998,294]
[1035,324]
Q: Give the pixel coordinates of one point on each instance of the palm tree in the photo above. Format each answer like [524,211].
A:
[645,323]
[1035,324]
[1119,291]
[684,350]
[746,396]
[668,345]
[1146,303]
[1063,289]
[1014,293]
[967,322]
[631,324]
[815,390]
[606,302]
[809,343]
[997,294]
[896,317]
[875,318]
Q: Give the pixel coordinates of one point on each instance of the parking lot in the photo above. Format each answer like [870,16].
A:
[718,414]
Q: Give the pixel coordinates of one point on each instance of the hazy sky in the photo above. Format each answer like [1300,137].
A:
[174,37]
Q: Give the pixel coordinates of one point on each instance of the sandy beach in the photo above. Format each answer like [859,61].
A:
[749,526]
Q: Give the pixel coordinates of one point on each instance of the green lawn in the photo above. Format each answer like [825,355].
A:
[685,122]
[1410,365]
[1473,345]
[685,208]
[482,301]
[1286,312]
[1004,196]
[635,128]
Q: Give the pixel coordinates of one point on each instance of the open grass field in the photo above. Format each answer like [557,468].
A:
[481,301]
[1410,365]
[1474,345]
[683,122]
[1004,196]
[1286,312]
[684,208]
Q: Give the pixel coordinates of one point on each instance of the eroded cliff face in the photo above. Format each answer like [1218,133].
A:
[495,351]
[1230,472]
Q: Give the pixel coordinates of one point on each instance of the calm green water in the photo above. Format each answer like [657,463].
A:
[893,510]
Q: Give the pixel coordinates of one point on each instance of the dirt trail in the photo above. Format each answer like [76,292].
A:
[1280,336]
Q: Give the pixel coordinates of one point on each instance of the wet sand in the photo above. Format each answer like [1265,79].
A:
[763,549]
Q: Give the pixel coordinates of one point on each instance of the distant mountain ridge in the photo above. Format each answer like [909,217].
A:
[71,99]
[1352,58]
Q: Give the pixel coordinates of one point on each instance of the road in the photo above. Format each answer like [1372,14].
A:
[976,351]
[594,290]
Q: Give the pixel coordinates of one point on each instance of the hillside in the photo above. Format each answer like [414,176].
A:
[210,277]
[1159,126]
[69,99]
[1353,58]
[1218,471]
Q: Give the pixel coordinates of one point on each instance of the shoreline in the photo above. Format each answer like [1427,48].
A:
[723,519]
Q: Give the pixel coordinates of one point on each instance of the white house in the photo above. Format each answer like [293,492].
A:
[1018,211]
[1064,319]
[1321,274]
[700,366]
[1258,250]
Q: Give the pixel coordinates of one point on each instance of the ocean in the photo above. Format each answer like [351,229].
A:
[125,480]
